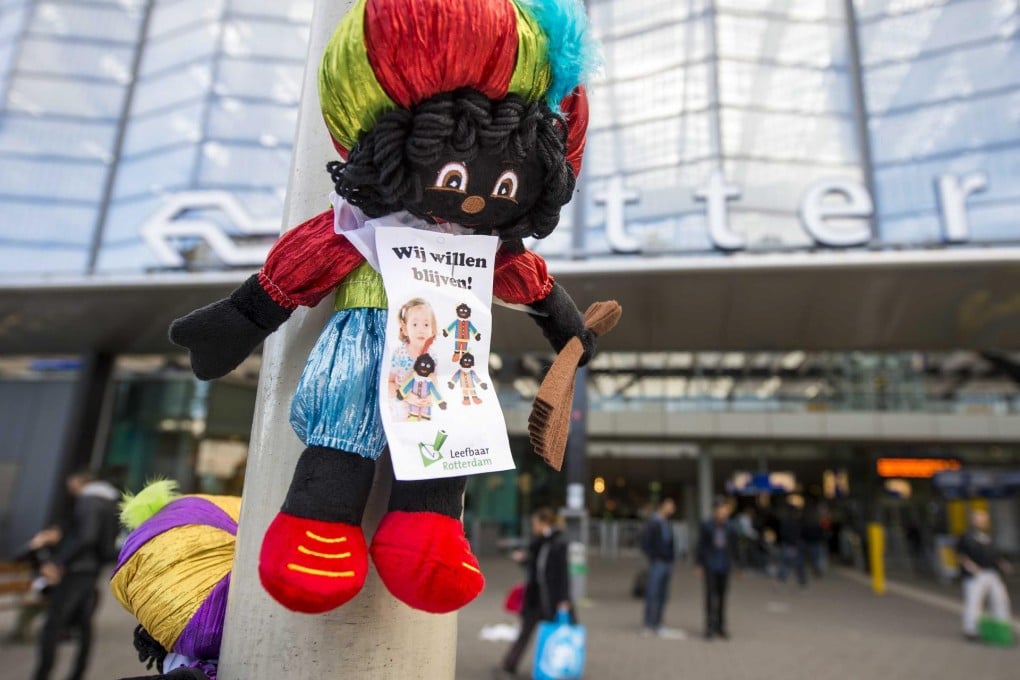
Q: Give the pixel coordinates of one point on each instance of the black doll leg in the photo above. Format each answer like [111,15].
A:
[314,557]
[420,550]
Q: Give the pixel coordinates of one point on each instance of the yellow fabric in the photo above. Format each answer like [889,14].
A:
[362,288]
[168,578]
[532,75]
[351,97]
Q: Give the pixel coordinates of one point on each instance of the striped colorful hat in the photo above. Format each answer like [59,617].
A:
[387,54]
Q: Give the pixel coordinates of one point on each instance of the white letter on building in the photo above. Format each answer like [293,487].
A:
[615,197]
[715,194]
[814,212]
[952,193]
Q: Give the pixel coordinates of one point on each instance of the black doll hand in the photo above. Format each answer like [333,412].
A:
[450,384]
[478,336]
[442,405]
[484,386]
[559,319]
[400,396]
[445,334]
[221,335]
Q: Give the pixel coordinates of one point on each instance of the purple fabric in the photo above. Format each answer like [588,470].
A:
[178,513]
[201,638]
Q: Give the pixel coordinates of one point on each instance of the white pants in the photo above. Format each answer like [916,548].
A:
[985,582]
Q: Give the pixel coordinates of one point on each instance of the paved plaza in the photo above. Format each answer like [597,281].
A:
[834,629]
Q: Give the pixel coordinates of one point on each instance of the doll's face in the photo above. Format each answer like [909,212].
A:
[425,365]
[418,324]
[463,311]
[467,360]
[486,192]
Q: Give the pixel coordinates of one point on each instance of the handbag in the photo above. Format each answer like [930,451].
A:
[514,601]
[560,650]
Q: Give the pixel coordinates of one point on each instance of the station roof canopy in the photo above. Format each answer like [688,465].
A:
[851,300]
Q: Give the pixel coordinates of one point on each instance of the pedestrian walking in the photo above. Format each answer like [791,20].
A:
[86,544]
[657,545]
[790,539]
[982,567]
[813,535]
[716,558]
[547,583]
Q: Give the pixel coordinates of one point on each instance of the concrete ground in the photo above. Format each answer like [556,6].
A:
[834,629]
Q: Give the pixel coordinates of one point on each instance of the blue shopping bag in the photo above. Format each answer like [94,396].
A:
[559,653]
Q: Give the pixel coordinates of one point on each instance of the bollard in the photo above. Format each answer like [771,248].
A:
[876,557]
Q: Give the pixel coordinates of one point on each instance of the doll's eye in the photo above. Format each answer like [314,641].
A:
[506,185]
[454,176]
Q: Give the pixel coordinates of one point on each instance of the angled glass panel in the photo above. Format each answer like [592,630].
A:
[244,78]
[45,179]
[299,11]
[191,45]
[784,88]
[226,164]
[60,96]
[168,17]
[815,139]
[665,93]
[948,127]
[123,249]
[249,37]
[77,59]
[809,44]
[186,84]
[612,18]
[938,28]
[12,20]
[58,242]
[86,21]
[662,47]
[872,9]
[155,174]
[803,10]
[963,73]
[268,124]
[174,126]
[84,140]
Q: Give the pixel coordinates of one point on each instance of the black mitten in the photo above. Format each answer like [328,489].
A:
[221,335]
[560,320]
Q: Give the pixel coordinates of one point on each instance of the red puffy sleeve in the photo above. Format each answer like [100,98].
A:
[520,278]
[308,262]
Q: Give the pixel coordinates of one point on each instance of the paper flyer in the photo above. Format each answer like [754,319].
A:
[439,407]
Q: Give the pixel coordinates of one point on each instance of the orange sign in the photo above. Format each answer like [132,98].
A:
[917,468]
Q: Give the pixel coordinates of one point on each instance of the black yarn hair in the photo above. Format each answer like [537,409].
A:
[150,652]
[378,178]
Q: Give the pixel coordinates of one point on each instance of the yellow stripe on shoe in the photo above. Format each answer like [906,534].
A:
[329,556]
[323,539]
[320,572]
[468,566]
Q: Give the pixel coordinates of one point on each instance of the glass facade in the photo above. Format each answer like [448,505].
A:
[111,108]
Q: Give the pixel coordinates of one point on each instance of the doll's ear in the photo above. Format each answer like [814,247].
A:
[575,110]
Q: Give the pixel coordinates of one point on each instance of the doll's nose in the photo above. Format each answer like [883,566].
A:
[473,204]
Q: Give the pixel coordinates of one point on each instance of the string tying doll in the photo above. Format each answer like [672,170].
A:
[459,116]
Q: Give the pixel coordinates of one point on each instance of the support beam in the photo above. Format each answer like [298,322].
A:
[374,635]
[705,483]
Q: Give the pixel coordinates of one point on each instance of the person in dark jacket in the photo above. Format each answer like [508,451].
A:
[716,558]
[547,584]
[657,545]
[85,546]
[791,544]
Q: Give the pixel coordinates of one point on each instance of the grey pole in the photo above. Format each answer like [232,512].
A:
[374,635]
[705,483]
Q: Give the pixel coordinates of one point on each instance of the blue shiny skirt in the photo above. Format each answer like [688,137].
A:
[337,400]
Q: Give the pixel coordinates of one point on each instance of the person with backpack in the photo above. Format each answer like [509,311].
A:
[86,544]
[657,545]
